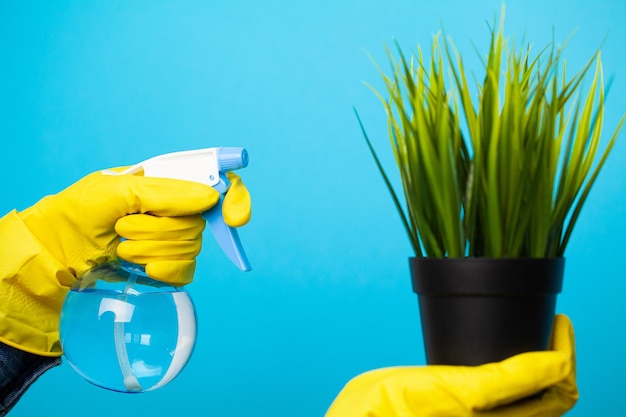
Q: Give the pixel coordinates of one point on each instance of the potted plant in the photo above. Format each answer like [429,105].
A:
[494,176]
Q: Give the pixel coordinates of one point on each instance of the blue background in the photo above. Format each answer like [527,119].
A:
[86,85]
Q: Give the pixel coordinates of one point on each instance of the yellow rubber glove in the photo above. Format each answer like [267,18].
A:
[45,248]
[534,384]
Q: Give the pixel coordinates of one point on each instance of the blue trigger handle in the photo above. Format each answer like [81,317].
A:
[226,236]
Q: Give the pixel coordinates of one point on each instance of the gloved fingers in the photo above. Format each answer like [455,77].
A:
[534,406]
[161,196]
[563,340]
[515,378]
[459,390]
[177,273]
[549,403]
[557,381]
[146,251]
[149,227]
[237,205]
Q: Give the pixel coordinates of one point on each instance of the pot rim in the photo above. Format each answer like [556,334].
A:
[487,276]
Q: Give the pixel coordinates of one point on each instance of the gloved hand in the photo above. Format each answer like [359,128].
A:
[167,246]
[47,246]
[535,384]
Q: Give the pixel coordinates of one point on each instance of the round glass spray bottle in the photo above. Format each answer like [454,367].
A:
[124,331]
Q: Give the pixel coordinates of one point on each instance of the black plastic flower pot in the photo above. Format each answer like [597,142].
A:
[480,310]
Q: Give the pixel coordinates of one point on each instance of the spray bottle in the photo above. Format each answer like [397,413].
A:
[125,332]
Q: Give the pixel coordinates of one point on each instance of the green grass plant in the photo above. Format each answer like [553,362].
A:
[501,169]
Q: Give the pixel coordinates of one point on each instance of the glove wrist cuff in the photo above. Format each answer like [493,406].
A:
[33,285]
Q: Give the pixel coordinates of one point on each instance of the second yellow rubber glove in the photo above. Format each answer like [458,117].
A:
[535,384]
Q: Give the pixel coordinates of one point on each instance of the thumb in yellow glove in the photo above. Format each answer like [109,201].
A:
[47,246]
[534,384]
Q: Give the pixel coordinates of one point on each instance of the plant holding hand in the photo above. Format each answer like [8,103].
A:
[533,384]
[505,174]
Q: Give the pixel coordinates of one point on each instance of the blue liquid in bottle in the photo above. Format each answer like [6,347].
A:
[125,332]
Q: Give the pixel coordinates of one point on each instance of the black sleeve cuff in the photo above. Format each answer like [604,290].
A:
[18,371]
